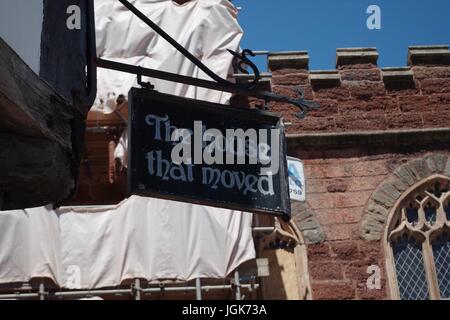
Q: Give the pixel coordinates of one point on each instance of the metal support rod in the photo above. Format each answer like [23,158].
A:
[137,289]
[173,77]
[84,293]
[204,288]
[42,292]
[16,296]
[253,290]
[168,76]
[237,284]
[263,229]
[73,294]
[162,289]
[198,287]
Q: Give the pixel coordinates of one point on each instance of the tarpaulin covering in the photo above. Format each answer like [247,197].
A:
[206,28]
[29,245]
[139,238]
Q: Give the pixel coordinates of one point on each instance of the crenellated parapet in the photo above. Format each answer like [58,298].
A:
[358,95]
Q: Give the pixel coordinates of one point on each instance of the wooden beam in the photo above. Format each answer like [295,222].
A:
[41,137]
[30,101]
[33,172]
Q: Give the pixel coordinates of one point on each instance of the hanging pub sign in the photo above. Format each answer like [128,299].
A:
[210,154]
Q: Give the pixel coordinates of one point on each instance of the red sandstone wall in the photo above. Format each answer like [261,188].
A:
[340,181]
[364,101]
[338,192]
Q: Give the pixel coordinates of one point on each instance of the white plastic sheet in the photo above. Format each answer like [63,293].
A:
[206,28]
[85,248]
[29,245]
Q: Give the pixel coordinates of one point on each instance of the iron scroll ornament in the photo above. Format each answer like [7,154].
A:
[250,89]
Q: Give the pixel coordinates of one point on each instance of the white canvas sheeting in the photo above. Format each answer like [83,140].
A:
[206,28]
[29,245]
[139,238]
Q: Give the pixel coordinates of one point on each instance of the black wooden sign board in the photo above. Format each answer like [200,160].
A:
[161,125]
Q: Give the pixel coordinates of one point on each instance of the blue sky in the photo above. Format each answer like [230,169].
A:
[321,26]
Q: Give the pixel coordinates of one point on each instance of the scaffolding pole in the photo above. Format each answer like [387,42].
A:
[14,296]
[137,289]
[198,286]
[237,284]
[41,294]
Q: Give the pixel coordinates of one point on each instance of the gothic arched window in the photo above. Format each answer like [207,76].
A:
[418,243]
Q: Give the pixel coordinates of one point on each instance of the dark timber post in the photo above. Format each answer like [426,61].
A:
[76,80]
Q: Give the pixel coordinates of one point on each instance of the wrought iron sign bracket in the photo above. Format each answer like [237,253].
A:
[145,85]
[219,84]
